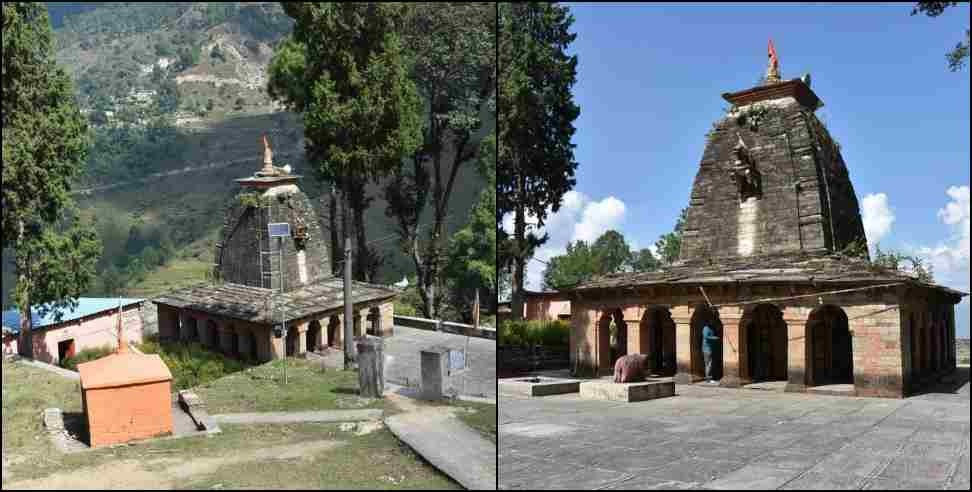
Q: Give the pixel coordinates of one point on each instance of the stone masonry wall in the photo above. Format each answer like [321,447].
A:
[799,165]
[877,320]
[241,253]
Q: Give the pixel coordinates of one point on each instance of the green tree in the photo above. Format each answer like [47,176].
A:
[579,264]
[471,266]
[670,245]
[44,146]
[609,253]
[453,49]
[536,111]
[612,252]
[344,69]
[644,260]
[957,57]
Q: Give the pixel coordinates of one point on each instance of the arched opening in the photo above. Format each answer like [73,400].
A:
[313,336]
[212,335]
[254,353]
[830,347]
[333,329]
[702,316]
[619,336]
[915,347]
[292,341]
[374,322]
[656,339]
[765,334]
[234,342]
[192,331]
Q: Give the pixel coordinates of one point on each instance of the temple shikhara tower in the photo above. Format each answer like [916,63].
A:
[768,261]
[262,281]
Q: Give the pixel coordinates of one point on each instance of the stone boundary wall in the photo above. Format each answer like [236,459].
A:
[487,332]
[513,359]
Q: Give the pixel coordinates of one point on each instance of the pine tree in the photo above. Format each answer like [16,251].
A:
[44,145]
[536,114]
[344,69]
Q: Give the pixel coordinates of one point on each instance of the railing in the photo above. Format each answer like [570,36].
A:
[446,327]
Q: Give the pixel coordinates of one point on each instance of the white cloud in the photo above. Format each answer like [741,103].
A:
[579,218]
[950,257]
[877,216]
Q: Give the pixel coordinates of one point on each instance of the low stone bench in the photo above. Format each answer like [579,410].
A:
[626,392]
[539,386]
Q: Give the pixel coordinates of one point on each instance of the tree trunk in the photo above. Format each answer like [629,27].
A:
[519,257]
[363,263]
[371,379]
[335,233]
[25,340]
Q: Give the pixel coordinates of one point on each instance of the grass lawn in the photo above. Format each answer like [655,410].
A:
[181,272]
[309,455]
[479,416]
[261,389]
[27,391]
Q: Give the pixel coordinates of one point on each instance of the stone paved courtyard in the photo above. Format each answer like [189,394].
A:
[715,438]
[403,359]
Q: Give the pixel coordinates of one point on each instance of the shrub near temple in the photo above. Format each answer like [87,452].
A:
[532,333]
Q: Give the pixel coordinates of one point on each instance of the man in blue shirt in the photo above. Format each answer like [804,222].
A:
[709,344]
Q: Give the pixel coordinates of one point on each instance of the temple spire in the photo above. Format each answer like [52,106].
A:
[773,70]
[267,158]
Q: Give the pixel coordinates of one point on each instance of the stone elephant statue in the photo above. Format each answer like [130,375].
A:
[630,368]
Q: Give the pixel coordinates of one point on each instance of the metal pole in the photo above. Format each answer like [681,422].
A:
[349,357]
[283,312]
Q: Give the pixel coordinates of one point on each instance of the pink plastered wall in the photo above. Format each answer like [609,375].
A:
[90,332]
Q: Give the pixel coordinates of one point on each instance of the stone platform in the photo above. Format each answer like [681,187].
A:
[626,392]
[539,386]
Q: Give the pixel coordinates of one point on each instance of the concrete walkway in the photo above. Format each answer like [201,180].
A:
[294,417]
[60,371]
[447,443]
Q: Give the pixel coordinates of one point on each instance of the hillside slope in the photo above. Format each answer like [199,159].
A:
[176,98]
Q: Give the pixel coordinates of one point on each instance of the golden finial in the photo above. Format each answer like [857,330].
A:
[773,71]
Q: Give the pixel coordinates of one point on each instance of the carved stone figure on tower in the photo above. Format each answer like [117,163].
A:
[744,173]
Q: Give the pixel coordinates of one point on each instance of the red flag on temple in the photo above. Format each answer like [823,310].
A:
[774,61]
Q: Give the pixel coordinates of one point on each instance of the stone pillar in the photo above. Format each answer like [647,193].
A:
[338,333]
[387,311]
[277,348]
[302,338]
[434,381]
[734,370]
[683,350]
[796,350]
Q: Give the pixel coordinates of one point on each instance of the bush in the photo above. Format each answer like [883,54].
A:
[191,364]
[527,333]
[86,355]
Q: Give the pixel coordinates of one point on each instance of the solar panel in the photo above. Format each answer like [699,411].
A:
[279,229]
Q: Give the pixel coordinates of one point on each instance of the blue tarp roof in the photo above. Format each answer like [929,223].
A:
[86,307]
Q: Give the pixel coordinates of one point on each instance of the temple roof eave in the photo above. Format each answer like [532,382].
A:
[252,304]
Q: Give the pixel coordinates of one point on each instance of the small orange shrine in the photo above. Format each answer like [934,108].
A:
[126,396]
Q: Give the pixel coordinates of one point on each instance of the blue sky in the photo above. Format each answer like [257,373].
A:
[649,85]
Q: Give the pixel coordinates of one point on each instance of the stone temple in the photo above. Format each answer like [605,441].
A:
[236,313]
[764,262]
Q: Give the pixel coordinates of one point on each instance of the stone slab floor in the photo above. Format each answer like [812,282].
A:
[403,360]
[716,438]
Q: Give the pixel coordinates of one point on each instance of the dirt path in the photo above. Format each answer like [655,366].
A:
[165,473]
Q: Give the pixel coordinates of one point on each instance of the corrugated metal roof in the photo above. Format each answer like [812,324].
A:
[86,307]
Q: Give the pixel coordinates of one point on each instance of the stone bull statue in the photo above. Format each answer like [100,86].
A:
[630,368]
